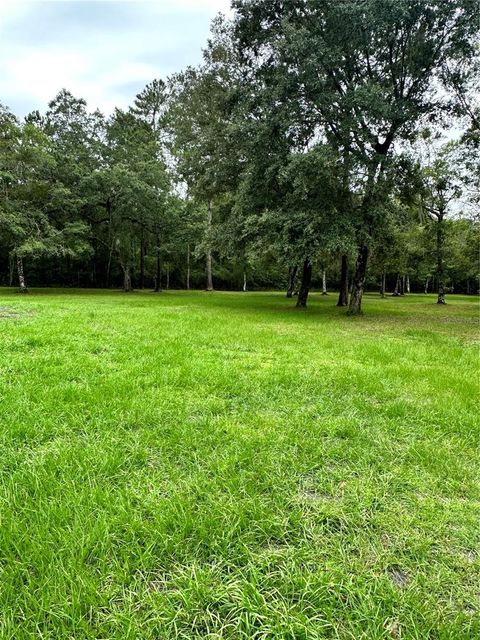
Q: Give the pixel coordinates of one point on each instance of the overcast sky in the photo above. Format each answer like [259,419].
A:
[102,50]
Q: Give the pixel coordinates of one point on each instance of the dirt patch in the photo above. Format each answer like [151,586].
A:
[399,577]
[392,627]
[314,496]
[470,555]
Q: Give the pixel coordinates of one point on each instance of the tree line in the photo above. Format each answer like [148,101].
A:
[308,147]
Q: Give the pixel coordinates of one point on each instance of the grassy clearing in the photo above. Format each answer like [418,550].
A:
[224,466]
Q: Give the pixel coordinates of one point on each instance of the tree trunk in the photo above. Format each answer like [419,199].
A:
[382,284]
[209,248]
[127,279]
[158,276]
[440,275]
[93,271]
[468,286]
[426,284]
[142,263]
[11,269]
[292,274]
[407,284]
[402,285]
[305,284]
[396,291]
[244,280]
[188,267]
[343,295]
[358,284]
[168,276]
[21,276]
[109,264]
[324,283]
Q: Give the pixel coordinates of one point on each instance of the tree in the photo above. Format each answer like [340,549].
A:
[199,117]
[362,74]
[440,190]
[77,142]
[295,216]
[151,105]
[130,191]
[30,198]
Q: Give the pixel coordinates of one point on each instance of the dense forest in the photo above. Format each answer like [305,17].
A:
[326,144]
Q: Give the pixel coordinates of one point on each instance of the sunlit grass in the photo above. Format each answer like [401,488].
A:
[193,465]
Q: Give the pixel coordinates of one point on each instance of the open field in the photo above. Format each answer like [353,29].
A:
[193,465]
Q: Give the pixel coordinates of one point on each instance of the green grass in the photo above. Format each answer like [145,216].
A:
[192,465]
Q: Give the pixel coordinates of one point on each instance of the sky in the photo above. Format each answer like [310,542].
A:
[104,51]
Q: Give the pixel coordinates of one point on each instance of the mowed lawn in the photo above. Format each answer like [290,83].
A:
[194,465]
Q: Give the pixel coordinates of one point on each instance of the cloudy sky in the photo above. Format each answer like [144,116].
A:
[102,50]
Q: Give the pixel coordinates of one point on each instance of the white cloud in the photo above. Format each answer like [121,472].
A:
[11,9]
[102,50]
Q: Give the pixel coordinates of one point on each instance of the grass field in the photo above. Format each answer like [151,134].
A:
[193,465]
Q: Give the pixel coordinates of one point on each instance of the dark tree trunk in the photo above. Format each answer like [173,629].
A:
[402,285]
[440,274]
[168,276]
[292,274]
[426,284]
[343,295]
[158,275]
[188,267]
[142,263]
[382,284]
[305,284]
[93,272]
[11,270]
[21,276]
[109,264]
[209,248]
[396,291]
[358,284]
